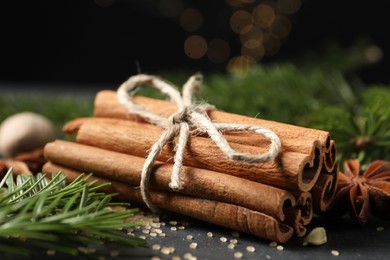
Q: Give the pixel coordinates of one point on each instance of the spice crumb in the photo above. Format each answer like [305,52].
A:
[173,222]
[279,247]
[268,256]
[238,255]
[153,234]
[165,250]
[171,249]
[273,244]
[189,256]
[173,228]
[335,252]
[162,224]
[193,245]
[158,231]
[235,234]
[380,228]
[250,249]
[223,239]
[142,237]
[233,241]
[231,246]
[146,231]
[189,237]
[162,235]
[156,247]
[210,234]
[175,257]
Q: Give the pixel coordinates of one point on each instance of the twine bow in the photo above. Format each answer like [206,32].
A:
[188,116]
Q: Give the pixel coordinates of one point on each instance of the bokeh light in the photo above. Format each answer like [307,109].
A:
[256,53]
[195,47]
[240,64]
[218,50]
[263,15]
[191,19]
[289,6]
[281,27]
[241,22]
[253,38]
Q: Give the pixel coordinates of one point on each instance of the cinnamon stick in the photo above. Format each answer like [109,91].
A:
[291,171]
[219,213]
[324,190]
[196,182]
[294,138]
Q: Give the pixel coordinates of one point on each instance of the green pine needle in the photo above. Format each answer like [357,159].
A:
[41,213]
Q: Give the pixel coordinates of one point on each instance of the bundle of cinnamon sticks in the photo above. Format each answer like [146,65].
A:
[273,200]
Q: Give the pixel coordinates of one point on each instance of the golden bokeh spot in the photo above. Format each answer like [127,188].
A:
[241,22]
[253,38]
[104,3]
[281,27]
[218,50]
[191,19]
[240,64]
[289,6]
[271,44]
[195,47]
[171,8]
[256,53]
[263,15]
[234,3]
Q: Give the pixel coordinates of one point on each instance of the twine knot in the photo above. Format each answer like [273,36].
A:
[189,116]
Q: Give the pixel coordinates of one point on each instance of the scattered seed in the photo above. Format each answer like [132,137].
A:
[380,228]
[231,246]
[188,256]
[158,231]
[156,247]
[142,237]
[162,235]
[233,241]
[235,234]
[273,244]
[175,257]
[210,234]
[145,231]
[279,247]
[316,237]
[173,222]
[189,237]
[163,224]
[147,227]
[173,228]
[193,245]
[335,252]
[171,249]
[223,239]
[268,256]
[153,234]
[165,250]
[114,253]
[182,227]
[250,249]
[238,255]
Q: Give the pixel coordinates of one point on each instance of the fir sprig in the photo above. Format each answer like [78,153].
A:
[38,213]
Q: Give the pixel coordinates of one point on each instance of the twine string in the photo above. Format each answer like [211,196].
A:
[189,116]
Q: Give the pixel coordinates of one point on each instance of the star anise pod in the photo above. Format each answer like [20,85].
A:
[363,192]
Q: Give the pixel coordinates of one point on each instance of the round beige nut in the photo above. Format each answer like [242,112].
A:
[24,132]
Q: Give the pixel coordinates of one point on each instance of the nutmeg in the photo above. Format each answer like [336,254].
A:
[24,132]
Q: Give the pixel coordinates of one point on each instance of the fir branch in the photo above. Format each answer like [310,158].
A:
[48,214]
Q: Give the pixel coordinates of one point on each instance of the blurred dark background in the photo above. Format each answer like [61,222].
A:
[105,41]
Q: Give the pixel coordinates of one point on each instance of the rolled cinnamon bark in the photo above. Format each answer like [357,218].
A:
[219,213]
[294,138]
[324,189]
[196,182]
[290,171]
